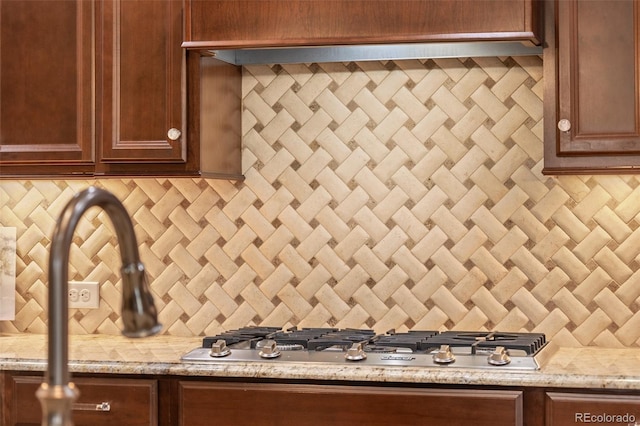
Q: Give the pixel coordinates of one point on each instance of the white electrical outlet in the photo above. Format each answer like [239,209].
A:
[84,294]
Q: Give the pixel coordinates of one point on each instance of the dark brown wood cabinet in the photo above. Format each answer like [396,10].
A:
[592,96]
[46,96]
[267,23]
[136,400]
[565,409]
[141,86]
[201,403]
[114,94]
[102,401]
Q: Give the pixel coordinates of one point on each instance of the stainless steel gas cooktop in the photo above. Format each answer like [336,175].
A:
[448,349]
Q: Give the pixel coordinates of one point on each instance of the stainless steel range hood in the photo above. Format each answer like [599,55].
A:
[353,53]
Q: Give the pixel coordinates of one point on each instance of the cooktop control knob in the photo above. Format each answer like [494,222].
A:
[219,349]
[500,356]
[444,355]
[269,349]
[355,352]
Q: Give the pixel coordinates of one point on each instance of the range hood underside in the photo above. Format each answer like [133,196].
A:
[379,52]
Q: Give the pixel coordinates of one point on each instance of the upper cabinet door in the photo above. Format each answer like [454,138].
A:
[141,87]
[598,69]
[46,98]
[592,97]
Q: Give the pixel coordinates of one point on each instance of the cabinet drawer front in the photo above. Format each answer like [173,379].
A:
[564,409]
[285,404]
[130,402]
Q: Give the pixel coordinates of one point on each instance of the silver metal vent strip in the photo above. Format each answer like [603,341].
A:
[291,55]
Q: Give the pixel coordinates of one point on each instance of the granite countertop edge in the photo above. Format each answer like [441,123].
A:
[584,367]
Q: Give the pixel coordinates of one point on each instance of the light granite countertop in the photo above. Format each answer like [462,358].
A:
[587,367]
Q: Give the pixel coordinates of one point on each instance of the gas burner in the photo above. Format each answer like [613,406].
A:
[487,342]
[245,334]
[340,338]
[295,337]
[414,340]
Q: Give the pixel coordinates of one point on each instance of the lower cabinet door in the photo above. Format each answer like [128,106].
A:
[564,409]
[113,402]
[202,403]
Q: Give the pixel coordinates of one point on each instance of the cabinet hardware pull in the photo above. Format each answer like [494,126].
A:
[103,406]
[174,134]
[564,125]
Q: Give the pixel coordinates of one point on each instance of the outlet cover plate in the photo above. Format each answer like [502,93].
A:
[84,294]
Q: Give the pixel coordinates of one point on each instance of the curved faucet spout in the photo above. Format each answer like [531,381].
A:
[138,310]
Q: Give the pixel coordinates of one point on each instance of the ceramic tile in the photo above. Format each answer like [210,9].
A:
[397,194]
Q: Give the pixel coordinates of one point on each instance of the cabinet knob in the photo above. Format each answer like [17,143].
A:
[564,125]
[174,134]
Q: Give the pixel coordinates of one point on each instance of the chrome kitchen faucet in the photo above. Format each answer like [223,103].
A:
[139,315]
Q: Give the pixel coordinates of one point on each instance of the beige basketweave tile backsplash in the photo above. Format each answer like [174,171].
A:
[400,195]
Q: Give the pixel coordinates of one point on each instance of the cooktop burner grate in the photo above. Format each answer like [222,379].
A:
[530,343]
[414,340]
[343,338]
[245,334]
[298,337]
[316,339]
